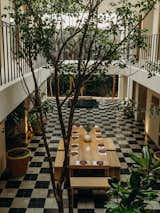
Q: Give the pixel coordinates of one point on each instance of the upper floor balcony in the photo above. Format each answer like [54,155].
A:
[13,67]
[148,59]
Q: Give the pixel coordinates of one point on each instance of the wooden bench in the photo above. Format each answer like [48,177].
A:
[88,183]
[58,166]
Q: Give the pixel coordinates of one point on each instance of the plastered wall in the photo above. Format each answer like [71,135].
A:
[152,119]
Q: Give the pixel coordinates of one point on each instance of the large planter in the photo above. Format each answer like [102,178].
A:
[17,161]
[156,155]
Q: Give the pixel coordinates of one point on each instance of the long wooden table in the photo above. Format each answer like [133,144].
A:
[108,142]
[87,155]
[98,154]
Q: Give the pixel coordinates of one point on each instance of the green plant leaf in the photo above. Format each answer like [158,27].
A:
[147,156]
[156,165]
[112,205]
[138,160]
[150,195]
[135,180]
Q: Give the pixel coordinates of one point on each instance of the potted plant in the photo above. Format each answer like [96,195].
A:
[128,108]
[14,128]
[134,194]
[87,137]
[34,118]
[17,161]
[34,123]
[17,153]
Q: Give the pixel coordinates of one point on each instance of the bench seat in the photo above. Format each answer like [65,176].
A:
[88,183]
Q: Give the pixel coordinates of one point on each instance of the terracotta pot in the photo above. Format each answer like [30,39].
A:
[156,155]
[18,163]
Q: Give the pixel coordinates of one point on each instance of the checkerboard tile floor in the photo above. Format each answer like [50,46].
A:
[33,192]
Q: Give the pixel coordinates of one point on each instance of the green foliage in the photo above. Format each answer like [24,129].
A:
[46,107]
[42,30]
[34,116]
[18,152]
[153,68]
[14,117]
[33,119]
[14,134]
[13,120]
[132,197]
[149,169]
[88,126]
[129,108]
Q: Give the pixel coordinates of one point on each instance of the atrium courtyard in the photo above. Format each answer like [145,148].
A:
[79,106]
[33,192]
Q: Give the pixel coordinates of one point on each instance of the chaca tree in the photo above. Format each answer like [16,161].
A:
[102,39]
[67,30]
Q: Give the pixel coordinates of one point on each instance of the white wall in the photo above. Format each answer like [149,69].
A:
[152,120]
[148,23]
[141,76]
[105,5]
[3,4]
[12,94]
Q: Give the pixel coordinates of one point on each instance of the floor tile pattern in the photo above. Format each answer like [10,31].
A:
[33,192]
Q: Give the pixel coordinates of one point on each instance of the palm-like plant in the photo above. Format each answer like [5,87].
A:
[146,166]
[133,196]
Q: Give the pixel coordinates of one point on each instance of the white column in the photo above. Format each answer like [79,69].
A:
[122,87]
[136,100]
[156,16]
[129,88]
[155,31]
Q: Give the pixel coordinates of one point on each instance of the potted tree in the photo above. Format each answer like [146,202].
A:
[34,119]
[17,153]
[129,108]
[17,160]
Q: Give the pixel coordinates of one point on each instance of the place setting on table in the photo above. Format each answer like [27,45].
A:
[92,134]
[88,149]
[85,150]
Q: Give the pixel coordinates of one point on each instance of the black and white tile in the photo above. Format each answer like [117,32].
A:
[33,192]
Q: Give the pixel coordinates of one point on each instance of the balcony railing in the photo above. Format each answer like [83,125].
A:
[150,56]
[12,67]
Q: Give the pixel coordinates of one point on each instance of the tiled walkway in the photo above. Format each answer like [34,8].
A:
[33,194]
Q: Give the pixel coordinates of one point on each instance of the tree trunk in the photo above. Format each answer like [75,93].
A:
[66,137]
[56,187]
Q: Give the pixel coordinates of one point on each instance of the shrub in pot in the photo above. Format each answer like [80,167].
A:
[34,123]
[129,108]
[34,117]
[14,128]
[17,161]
